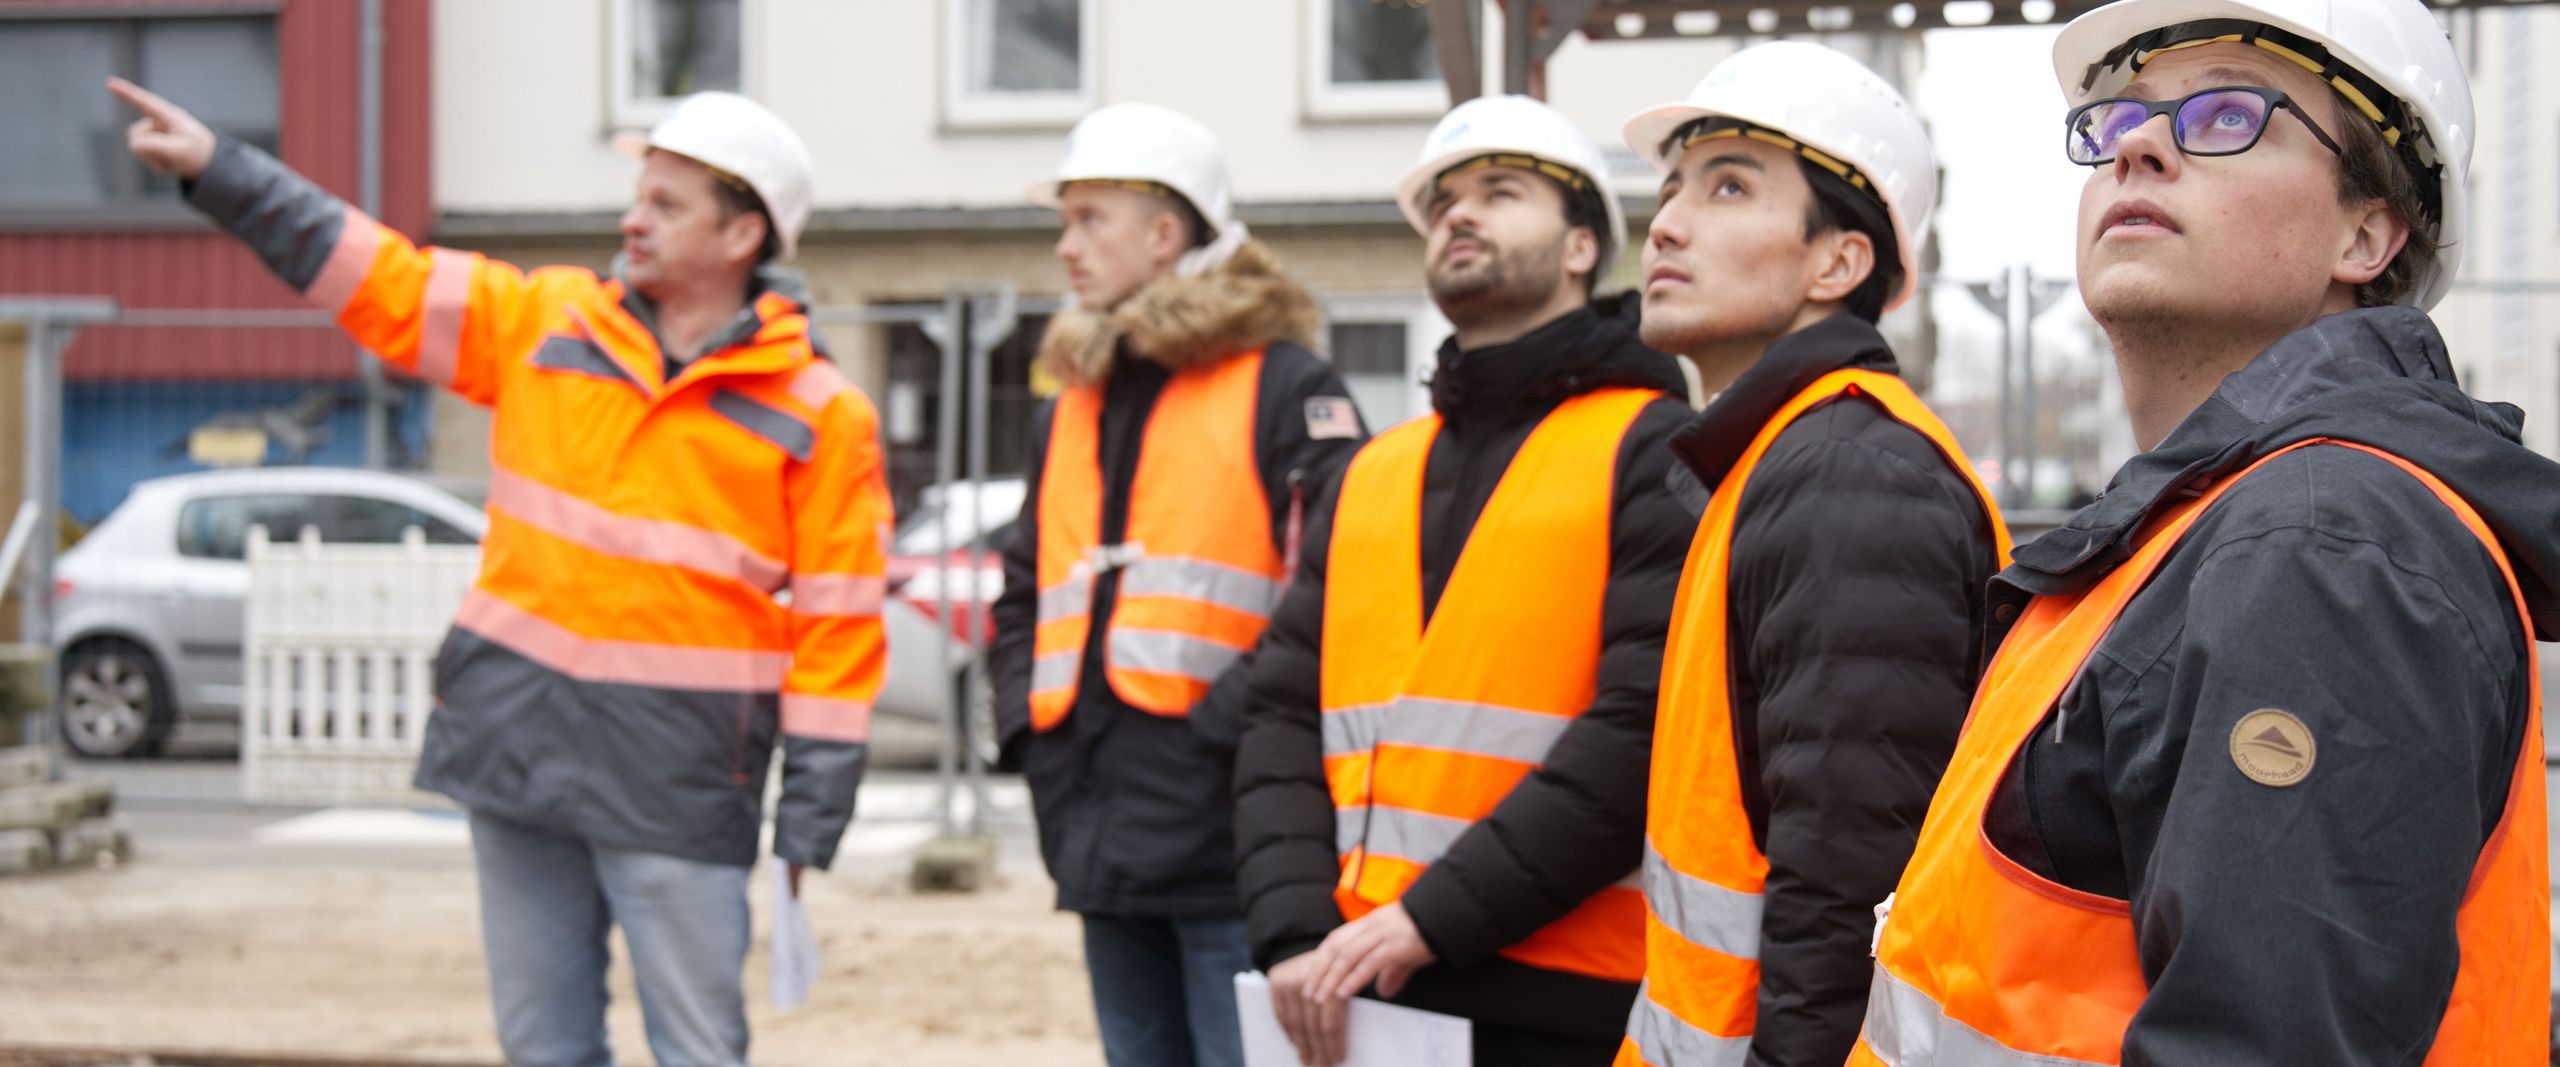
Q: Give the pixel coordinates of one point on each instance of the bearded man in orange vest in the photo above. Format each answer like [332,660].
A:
[2256,774]
[1823,647]
[1443,779]
[1167,484]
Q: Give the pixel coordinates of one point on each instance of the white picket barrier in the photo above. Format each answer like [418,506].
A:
[340,653]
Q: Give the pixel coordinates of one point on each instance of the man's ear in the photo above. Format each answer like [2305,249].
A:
[2367,250]
[742,237]
[1167,235]
[1845,258]
[1582,251]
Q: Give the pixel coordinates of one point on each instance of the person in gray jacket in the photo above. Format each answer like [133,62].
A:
[2287,800]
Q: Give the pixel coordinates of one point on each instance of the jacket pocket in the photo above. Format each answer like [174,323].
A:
[1172,815]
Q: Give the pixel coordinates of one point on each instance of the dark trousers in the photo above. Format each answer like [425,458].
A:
[1164,989]
[1503,1046]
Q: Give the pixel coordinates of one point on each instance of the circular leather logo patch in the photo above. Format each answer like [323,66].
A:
[2273,747]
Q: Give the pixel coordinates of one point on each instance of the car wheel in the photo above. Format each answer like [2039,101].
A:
[114,702]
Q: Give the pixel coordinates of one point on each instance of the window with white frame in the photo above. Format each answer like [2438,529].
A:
[1372,59]
[1384,348]
[1012,62]
[666,50]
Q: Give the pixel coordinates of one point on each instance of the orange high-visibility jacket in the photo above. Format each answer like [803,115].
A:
[1703,872]
[1982,962]
[1198,573]
[1427,728]
[629,653]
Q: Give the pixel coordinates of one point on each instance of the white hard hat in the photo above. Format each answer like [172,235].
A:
[1146,143]
[1499,125]
[740,138]
[2396,47]
[1838,114]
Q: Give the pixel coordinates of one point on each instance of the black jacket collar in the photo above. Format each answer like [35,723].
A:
[1713,440]
[1589,348]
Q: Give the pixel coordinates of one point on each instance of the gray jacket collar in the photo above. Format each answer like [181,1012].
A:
[2377,376]
[768,278]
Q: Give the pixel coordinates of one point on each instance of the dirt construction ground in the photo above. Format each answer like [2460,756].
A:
[364,954]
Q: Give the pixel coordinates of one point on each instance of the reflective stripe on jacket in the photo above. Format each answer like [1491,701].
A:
[626,659]
[1198,572]
[1982,963]
[1703,874]
[1427,728]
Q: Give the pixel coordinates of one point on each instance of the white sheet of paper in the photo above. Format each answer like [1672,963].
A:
[1379,1034]
[795,947]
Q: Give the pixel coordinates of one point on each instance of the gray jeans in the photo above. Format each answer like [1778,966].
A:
[546,903]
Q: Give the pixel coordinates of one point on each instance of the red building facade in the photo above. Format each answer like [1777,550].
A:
[150,252]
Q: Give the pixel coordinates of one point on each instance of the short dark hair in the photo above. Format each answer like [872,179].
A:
[2369,169]
[1838,206]
[1585,209]
[735,198]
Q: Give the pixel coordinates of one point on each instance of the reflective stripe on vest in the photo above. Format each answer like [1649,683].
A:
[1447,725]
[1427,729]
[1657,1035]
[1981,962]
[1703,872]
[1198,575]
[1904,1026]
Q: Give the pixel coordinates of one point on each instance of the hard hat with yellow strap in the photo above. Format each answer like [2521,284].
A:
[1512,131]
[1825,107]
[746,145]
[1158,151]
[2388,60]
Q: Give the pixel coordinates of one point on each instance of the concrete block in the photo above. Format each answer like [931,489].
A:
[108,840]
[24,850]
[27,765]
[55,805]
[91,842]
[955,864]
[23,671]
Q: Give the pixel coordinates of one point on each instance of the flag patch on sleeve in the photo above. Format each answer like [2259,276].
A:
[1332,418]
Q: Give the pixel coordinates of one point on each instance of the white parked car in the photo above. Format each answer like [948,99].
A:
[930,554]
[148,608]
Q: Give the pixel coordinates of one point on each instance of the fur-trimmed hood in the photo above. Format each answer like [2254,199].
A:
[1240,305]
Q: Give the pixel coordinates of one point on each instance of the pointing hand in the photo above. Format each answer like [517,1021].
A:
[165,138]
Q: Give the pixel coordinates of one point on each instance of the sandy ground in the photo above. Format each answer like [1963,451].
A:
[375,953]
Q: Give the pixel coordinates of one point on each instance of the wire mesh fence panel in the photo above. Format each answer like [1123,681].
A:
[184,421]
[178,431]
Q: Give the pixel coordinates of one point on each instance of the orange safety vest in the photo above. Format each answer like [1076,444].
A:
[1199,575]
[1428,728]
[1982,962]
[639,528]
[1702,871]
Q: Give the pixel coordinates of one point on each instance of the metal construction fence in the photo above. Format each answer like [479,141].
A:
[2013,363]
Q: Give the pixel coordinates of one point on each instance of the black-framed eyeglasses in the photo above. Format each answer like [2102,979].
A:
[2222,121]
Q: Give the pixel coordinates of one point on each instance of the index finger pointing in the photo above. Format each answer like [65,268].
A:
[143,100]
